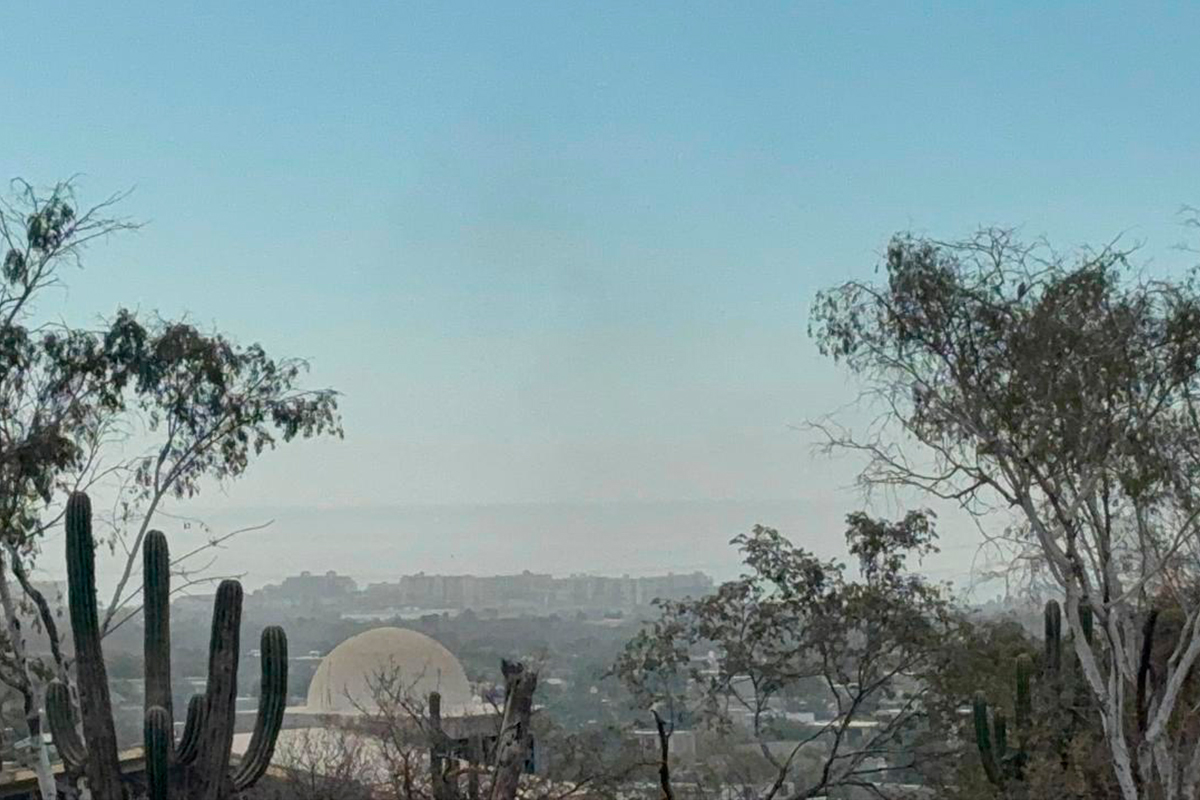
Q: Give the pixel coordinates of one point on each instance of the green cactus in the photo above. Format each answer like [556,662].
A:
[1024,702]
[999,762]
[983,738]
[1065,690]
[62,724]
[156,581]
[189,742]
[199,767]
[159,740]
[1053,641]
[272,699]
[100,764]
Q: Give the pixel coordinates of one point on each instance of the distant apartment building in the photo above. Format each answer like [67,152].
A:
[534,591]
[526,591]
[309,591]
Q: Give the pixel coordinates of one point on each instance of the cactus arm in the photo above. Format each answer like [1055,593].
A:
[272,698]
[156,572]
[1053,637]
[1000,728]
[1085,619]
[1024,702]
[159,740]
[189,742]
[62,726]
[102,770]
[983,739]
[211,770]
[1144,668]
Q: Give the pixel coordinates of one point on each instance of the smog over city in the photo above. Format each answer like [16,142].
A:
[599,401]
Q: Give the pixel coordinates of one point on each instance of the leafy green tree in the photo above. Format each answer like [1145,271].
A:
[795,624]
[146,408]
[1055,394]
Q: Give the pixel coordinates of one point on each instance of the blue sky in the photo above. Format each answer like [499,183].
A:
[564,252]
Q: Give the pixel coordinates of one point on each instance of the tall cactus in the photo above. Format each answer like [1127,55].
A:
[1063,688]
[983,739]
[159,740]
[212,763]
[1024,701]
[999,763]
[271,700]
[1053,625]
[100,766]
[156,597]
[199,767]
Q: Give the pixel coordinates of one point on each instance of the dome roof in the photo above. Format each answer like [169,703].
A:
[342,683]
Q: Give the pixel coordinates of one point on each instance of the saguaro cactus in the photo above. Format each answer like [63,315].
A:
[999,763]
[159,739]
[1053,624]
[1063,691]
[100,764]
[199,766]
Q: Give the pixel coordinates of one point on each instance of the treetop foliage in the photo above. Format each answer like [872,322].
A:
[1061,390]
[991,349]
[68,392]
[792,624]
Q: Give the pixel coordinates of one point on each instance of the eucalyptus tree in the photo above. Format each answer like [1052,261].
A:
[149,408]
[795,625]
[1056,397]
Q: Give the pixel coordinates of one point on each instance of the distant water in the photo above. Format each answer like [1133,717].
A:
[381,543]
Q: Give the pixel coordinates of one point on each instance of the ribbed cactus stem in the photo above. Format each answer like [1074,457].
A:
[1053,621]
[62,726]
[272,698]
[983,740]
[159,740]
[156,572]
[1143,674]
[1024,703]
[102,770]
[212,764]
[189,742]
[201,760]
[1085,619]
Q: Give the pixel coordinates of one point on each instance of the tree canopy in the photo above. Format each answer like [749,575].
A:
[1057,393]
[795,628]
[149,407]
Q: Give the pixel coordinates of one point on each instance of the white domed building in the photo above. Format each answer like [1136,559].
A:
[344,689]
[346,682]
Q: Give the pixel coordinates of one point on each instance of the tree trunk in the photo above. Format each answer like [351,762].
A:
[33,692]
[476,764]
[437,750]
[512,748]
[664,748]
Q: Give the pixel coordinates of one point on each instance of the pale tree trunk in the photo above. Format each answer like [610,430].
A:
[45,773]
[1110,697]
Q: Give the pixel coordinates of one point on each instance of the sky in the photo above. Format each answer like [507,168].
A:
[558,257]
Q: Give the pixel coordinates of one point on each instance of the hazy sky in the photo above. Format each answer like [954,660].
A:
[563,253]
